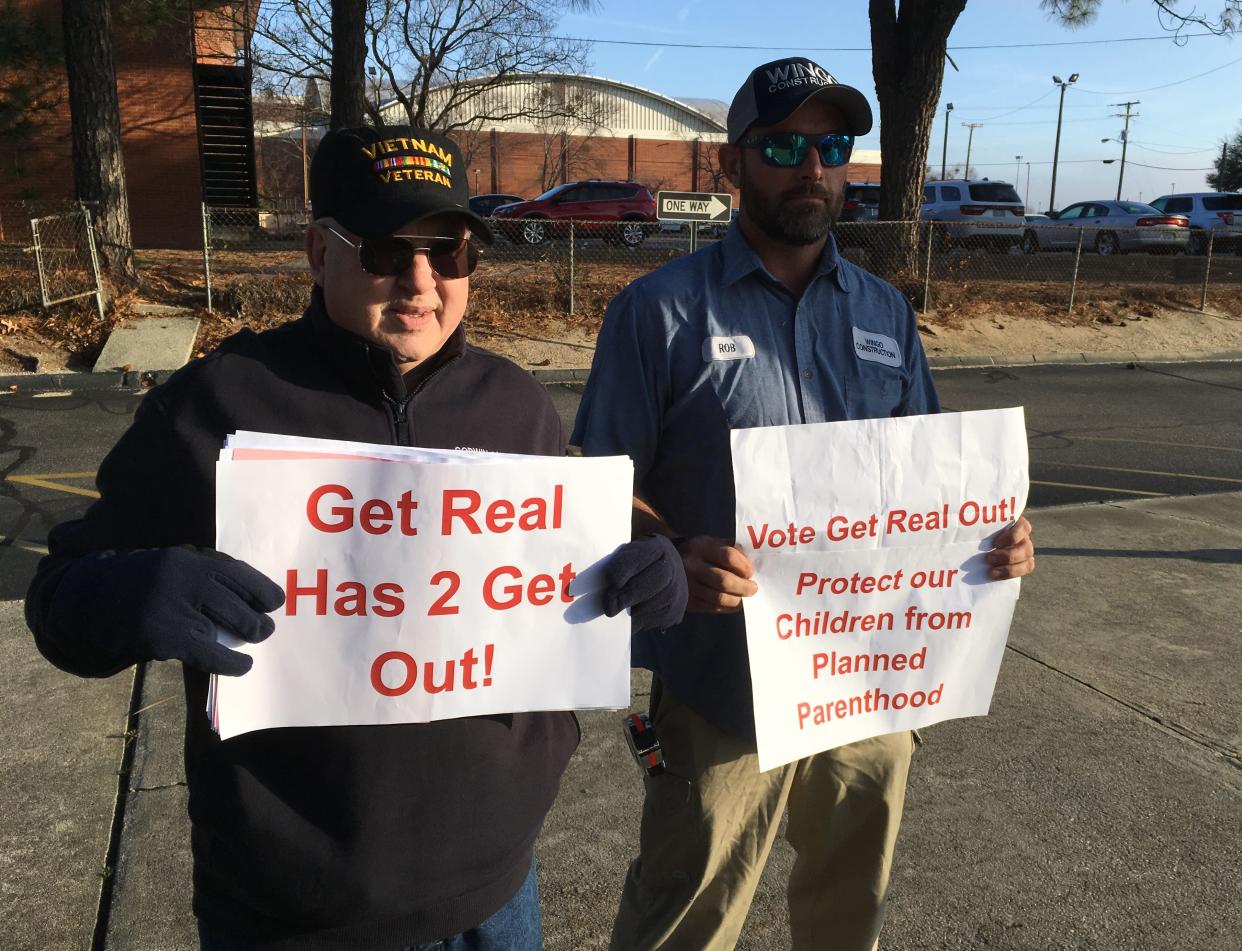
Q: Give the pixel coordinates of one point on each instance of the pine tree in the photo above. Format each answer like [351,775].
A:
[1228,174]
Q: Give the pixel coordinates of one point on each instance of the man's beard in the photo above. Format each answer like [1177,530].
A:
[800,224]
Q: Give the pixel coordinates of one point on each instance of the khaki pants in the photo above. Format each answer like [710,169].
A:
[709,822]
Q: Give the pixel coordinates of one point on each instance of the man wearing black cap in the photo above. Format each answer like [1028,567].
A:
[769,326]
[379,837]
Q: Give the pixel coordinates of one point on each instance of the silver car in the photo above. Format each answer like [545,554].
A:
[1215,213]
[1108,227]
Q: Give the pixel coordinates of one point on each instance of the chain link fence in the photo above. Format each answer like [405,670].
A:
[62,239]
[561,270]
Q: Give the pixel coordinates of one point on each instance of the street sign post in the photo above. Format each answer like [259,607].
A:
[693,207]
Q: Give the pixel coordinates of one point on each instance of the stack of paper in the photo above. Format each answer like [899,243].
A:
[420,584]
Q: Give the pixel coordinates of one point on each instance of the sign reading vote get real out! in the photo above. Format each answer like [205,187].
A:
[875,612]
[420,584]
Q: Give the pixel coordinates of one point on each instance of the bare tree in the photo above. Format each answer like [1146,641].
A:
[442,61]
[349,57]
[95,130]
[569,116]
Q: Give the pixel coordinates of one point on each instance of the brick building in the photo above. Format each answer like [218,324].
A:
[188,128]
[572,127]
[183,88]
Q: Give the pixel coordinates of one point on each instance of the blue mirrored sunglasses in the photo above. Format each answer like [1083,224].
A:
[789,149]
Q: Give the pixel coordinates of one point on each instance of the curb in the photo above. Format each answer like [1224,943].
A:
[1099,358]
[137,381]
[119,381]
[1093,359]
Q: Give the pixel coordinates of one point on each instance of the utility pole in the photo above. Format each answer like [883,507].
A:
[944,152]
[1125,137]
[1027,193]
[1056,151]
[969,140]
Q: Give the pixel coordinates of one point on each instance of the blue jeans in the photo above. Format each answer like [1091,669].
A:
[515,927]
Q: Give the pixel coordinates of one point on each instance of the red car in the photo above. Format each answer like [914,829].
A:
[596,202]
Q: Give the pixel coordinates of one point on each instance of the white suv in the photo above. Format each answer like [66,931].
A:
[979,213]
[1217,212]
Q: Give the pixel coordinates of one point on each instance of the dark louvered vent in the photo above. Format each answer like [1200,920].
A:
[226,135]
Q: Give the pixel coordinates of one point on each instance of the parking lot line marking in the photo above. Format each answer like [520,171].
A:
[1100,488]
[25,546]
[1156,442]
[1152,472]
[48,481]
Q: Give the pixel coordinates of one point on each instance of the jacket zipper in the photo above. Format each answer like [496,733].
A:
[397,408]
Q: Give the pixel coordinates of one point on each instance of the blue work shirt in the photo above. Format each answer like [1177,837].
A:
[713,342]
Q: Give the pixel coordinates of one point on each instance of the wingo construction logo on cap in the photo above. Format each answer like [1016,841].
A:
[410,160]
[790,75]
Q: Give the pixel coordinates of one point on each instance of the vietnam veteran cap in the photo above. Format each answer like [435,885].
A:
[374,180]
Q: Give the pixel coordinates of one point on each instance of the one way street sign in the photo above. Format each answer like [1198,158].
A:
[693,206]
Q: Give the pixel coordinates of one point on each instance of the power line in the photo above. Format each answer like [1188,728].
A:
[851,49]
[1020,108]
[1178,82]
[1164,168]
[1147,148]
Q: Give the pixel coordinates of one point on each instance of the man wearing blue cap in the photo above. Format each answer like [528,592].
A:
[363,838]
[769,326]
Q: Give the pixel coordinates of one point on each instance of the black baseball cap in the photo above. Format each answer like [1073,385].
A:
[774,90]
[375,179]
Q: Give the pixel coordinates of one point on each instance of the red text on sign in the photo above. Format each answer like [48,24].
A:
[374,516]
[840,528]
[395,673]
[505,587]
[780,537]
[353,598]
[499,516]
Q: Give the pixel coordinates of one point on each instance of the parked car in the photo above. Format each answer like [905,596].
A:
[1215,213]
[597,203]
[862,206]
[484,205]
[1108,227]
[978,213]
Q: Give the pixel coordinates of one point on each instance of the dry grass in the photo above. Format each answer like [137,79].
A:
[265,288]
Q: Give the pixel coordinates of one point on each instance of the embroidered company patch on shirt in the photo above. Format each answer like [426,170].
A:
[876,347]
[728,348]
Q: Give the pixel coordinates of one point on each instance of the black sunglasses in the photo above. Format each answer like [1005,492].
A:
[789,149]
[393,254]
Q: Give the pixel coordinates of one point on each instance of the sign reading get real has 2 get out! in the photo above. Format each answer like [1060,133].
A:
[421,584]
[874,611]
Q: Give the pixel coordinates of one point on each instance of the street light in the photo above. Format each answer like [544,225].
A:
[944,152]
[1056,152]
[1017,172]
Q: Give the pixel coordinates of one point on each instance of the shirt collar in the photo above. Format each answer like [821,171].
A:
[740,260]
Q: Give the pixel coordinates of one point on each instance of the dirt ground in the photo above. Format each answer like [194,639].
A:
[518,309]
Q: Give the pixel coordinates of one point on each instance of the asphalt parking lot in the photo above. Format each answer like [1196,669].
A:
[1098,806]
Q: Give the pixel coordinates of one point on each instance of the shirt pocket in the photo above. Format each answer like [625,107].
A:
[873,393]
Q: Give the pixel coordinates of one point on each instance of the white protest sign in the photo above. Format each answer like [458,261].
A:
[420,592]
[874,611]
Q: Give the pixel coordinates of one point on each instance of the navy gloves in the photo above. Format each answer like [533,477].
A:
[166,603]
[646,576]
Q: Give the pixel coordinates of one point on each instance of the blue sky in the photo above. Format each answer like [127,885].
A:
[1179,127]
